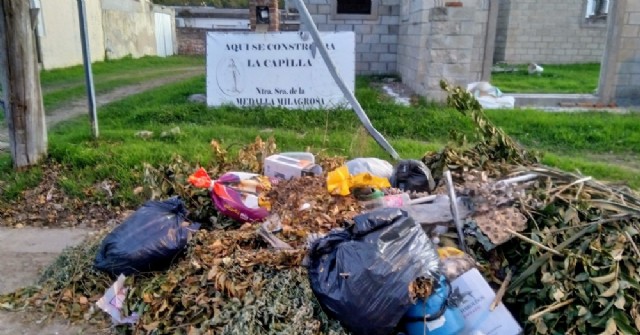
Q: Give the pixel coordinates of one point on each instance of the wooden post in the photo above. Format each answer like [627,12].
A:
[20,79]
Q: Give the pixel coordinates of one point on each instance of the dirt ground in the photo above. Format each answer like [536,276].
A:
[25,253]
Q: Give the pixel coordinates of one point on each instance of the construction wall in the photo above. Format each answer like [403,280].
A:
[129,28]
[117,28]
[191,41]
[620,77]
[59,33]
[547,31]
[442,43]
[376,34]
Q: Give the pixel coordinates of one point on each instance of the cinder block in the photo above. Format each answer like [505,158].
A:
[390,20]
[313,9]
[362,47]
[388,57]
[393,48]
[362,67]
[461,13]
[446,28]
[370,57]
[319,18]
[451,42]
[395,10]
[394,28]
[456,70]
[630,31]
[389,39]
[630,43]
[392,67]
[378,68]
[344,27]
[380,48]
[362,28]
[324,9]
[390,2]
[634,18]
[380,29]
[326,27]
[371,38]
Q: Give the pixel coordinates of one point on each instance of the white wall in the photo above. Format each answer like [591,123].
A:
[60,34]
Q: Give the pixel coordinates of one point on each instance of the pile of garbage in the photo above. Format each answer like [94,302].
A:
[481,241]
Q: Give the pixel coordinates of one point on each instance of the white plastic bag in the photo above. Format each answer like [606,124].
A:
[113,300]
[375,166]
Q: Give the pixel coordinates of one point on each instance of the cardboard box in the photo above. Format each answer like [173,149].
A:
[286,167]
[474,296]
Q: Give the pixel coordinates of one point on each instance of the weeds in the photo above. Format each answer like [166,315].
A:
[119,155]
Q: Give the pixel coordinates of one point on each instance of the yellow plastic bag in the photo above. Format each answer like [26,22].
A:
[446,252]
[340,182]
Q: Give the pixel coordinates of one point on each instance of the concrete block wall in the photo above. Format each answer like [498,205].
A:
[479,30]
[450,46]
[547,31]
[441,43]
[412,43]
[376,36]
[620,77]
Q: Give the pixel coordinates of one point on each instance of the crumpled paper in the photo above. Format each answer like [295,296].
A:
[113,300]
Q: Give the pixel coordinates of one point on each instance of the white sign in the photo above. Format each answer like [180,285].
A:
[474,297]
[277,69]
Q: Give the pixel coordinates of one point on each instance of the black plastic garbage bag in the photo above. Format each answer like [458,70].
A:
[412,175]
[148,240]
[361,275]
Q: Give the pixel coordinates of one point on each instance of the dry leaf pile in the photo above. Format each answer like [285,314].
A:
[46,205]
[304,207]
[230,281]
[577,273]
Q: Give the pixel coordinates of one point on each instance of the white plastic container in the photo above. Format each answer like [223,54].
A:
[288,166]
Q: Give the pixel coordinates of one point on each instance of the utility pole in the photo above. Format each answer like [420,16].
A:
[20,79]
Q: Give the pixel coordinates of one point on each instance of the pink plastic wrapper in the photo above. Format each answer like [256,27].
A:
[236,194]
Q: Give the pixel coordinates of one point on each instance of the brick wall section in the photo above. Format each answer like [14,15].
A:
[376,39]
[274,13]
[547,31]
[191,41]
[620,80]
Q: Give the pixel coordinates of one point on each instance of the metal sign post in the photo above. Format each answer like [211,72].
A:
[86,57]
[364,119]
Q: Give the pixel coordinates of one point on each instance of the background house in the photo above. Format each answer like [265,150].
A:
[549,31]
[117,28]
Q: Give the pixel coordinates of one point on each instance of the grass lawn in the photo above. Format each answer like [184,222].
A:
[569,78]
[62,85]
[573,142]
